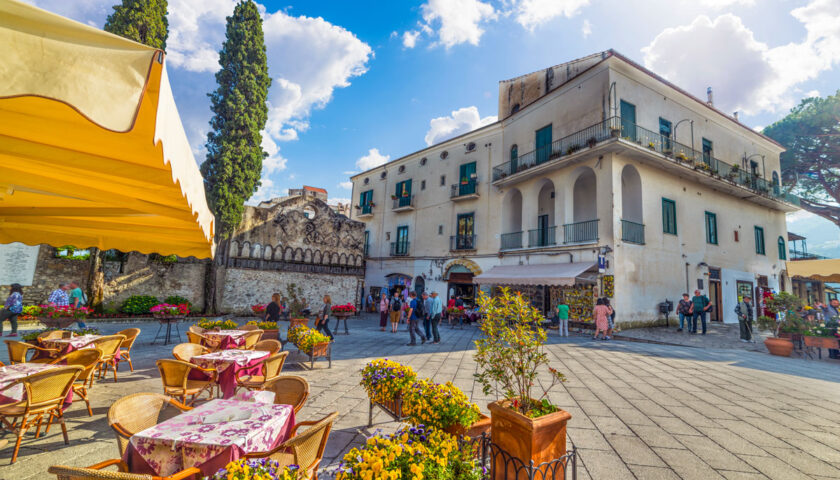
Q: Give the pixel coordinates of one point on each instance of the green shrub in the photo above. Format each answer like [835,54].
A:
[139,304]
[177,300]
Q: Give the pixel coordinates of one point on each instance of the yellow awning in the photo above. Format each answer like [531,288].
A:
[827,270]
[92,149]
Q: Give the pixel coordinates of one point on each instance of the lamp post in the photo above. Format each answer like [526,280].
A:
[690,122]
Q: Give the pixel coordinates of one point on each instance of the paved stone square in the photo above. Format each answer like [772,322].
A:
[638,410]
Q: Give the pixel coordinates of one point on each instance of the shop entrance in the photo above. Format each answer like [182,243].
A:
[715,296]
[460,284]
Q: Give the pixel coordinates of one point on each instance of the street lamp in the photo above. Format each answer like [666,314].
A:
[691,122]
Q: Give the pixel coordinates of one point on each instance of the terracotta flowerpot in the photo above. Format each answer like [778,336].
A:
[540,439]
[779,346]
[298,321]
[821,342]
[482,425]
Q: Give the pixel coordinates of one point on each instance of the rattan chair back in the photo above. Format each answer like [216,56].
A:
[289,390]
[273,365]
[248,328]
[87,358]
[270,346]
[110,345]
[53,335]
[131,335]
[196,329]
[134,413]
[17,350]
[251,339]
[80,473]
[195,338]
[47,389]
[186,351]
[174,373]
[308,447]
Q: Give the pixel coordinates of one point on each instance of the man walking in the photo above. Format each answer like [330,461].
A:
[427,317]
[435,312]
[77,298]
[744,310]
[700,305]
[684,311]
[563,318]
[411,314]
[59,297]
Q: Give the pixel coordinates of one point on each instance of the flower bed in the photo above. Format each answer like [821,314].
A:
[438,405]
[416,453]
[259,308]
[168,310]
[347,309]
[258,469]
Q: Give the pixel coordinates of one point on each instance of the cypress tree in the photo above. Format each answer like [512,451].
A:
[143,21]
[234,145]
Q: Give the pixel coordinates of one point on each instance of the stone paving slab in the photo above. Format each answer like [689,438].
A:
[639,410]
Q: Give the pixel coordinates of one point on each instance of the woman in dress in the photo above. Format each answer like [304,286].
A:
[383,312]
[273,309]
[322,321]
[601,312]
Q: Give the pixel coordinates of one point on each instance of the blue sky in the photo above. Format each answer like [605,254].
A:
[357,83]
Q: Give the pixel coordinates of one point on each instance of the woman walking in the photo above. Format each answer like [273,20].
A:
[273,309]
[610,318]
[12,308]
[322,322]
[383,312]
[601,312]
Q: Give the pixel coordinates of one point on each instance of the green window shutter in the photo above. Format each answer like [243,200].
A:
[669,216]
[759,241]
[711,228]
[782,249]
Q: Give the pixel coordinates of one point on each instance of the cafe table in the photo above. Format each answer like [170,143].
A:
[227,338]
[67,345]
[208,437]
[230,365]
[10,373]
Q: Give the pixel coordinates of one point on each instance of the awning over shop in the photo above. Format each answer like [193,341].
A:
[826,270]
[562,274]
[92,150]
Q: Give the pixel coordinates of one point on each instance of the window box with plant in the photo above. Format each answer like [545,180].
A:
[509,356]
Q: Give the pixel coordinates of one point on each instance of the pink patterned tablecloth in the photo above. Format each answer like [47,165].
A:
[67,345]
[228,338]
[10,373]
[209,437]
[231,364]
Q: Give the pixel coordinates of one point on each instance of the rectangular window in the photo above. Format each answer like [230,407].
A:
[543,141]
[759,240]
[366,198]
[404,188]
[442,180]
[467,182]
[669,216]
[711,228]
[401,245]
[367,242]
[708,151]
[665,131]
[440,229]
[465,240]
[422,184]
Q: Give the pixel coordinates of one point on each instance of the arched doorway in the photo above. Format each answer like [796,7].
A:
[419,286]
[512,219]
[632,224]
[398,284]
[584,226]
[459,280]
[543,235]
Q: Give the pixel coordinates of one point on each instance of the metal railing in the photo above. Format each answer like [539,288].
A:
[399,249]
[464,188]
[631,132]
[542,237]
[498,464]
[403,201]
[801,255]
[365,209]
[632,232]
[461,242]
[511,241]
[580,232]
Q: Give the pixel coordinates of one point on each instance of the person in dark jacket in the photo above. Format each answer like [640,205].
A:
[273,309]
[744,309]
[684,311]
[322,321]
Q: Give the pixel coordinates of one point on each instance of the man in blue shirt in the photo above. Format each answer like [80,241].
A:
[435,312]
[412,320]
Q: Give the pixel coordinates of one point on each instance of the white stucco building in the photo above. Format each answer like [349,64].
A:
[597,157]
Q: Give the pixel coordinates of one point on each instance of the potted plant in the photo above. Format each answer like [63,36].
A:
[615,130]
[59,316]
[310,342]
[385,381]
[269,329]
[823,335]
[293,301]
[572,149]
[784,305]
[259,309]
[394,196]
[445,407]
[592,142]
[651,145]
[509,356]
[258,469]
[165,310]
[464,180]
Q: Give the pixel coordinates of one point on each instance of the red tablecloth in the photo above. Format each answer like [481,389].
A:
[231,364]
[209,437]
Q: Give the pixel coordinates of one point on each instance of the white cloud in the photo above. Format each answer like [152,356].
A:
[586,29]
[371,160]
[812,93]
[350,172]
[90,12]
[459,121]
[196,33]
[409,38]
[266,191]
[337,200]
[457,21]
[719,4]
[533,13]
[274,162]
[348,185]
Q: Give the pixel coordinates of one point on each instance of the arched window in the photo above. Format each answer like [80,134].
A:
[514,159]
[782,249]
[776,183]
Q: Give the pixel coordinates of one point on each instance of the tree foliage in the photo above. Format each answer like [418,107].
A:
[234,146]
[811,134]
[143,21]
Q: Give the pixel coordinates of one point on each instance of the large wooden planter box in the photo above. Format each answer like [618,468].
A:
[271,334]
[540,439]
[319,350]
[821,342]
[298,321]
[482,425]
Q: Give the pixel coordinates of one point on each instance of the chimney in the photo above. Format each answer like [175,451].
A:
[736,116]
[710,101]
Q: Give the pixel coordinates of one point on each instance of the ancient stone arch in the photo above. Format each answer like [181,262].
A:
[307,255]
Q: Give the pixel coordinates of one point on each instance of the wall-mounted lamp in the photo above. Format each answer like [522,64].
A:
[606,249]
[702,264]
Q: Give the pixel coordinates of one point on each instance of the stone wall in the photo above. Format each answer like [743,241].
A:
[49,272]
[144,276]
[245,287]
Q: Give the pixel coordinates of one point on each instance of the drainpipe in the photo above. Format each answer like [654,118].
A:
[687,286]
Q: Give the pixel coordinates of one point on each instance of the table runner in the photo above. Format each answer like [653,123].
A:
[228,338]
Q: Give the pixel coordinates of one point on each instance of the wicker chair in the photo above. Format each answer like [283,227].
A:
[248,328]
[271,368]
[136,412]
[87,358]
[18,351]
[110,346]
[54,335]
[131,335]
[96,472]
[200,339]
[289,390]
[304,449]
[44,394]
[176,382]
[251,339]
[196,329]
[270,346]
[186,351]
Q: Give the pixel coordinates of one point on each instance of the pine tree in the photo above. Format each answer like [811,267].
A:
[143,21]
[234,145]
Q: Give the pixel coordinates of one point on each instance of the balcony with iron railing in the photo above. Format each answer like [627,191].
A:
[464,190]
[615,129]
[462,242]
[400,249]
[363,211]
[403,203]
[632,232]
[573,234]
[542,237]
[794,254]
[580,232]
[511,241]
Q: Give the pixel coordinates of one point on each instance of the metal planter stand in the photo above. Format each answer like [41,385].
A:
[500,465]
[167,335]
[393,409]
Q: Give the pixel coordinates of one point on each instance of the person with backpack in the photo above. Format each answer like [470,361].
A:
[700,305]
[12,308]
[396,309]
[413,318]
[77,298]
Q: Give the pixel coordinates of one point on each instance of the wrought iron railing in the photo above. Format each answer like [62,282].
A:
[632,232]
[462,242]
[801,255]
[365,209]
[628,131]
[542,237]
[399,249]
[511,241]
[580,232]
[499,464]
[470,187]
[403,201]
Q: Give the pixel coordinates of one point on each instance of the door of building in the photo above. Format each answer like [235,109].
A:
[543,144]
[628,120]
[542,226]
[715,295]
[465,240]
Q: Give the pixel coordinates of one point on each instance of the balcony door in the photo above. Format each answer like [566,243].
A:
[543,144]
[404,193]
[542,226]
[628,120]
[402,240]
[467,179]
[466,231]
